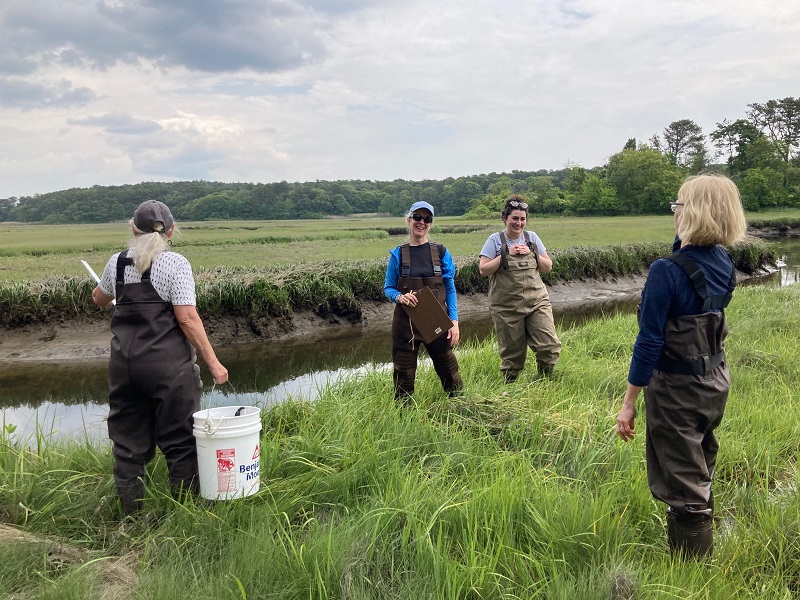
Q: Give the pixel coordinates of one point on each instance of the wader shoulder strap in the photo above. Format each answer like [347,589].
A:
[436,259]
[503,250]
[698,278]
[123,260]
[405,260]
[532,246]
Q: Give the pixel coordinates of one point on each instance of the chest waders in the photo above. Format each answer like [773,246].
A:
[685,400]
[154,388]
[406,338]
[522,313]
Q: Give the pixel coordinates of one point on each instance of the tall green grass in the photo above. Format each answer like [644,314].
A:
[519,491]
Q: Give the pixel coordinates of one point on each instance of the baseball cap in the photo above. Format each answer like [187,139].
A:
[151,212]
[420,204]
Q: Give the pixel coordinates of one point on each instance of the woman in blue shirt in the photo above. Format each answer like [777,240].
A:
[412,266]
[679,359]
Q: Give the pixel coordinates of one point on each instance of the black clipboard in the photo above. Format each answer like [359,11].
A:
[428,315]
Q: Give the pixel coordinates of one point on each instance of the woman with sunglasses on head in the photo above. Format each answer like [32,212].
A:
[514,260]
[412,266]
[679,358]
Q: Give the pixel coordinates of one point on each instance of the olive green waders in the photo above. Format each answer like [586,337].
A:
[522,315]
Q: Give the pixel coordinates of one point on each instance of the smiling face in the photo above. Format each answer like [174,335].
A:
[515,223]
[417,225]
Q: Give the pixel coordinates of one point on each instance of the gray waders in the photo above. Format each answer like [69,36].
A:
[522,314]
[154,388]
[685,401]
[406,338]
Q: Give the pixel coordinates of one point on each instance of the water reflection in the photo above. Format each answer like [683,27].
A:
[68,400]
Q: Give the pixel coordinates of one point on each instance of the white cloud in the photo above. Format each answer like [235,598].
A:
[264,90]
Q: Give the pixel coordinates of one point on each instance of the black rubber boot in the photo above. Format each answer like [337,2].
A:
[510,376]
[544,370]
[130,498]
[690,534]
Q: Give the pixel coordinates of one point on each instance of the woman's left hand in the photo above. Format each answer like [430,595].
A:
[521,249]
[453,335]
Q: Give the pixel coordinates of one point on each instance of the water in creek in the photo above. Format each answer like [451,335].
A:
[69,400]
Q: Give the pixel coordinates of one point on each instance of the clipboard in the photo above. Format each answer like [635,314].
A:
[428,315]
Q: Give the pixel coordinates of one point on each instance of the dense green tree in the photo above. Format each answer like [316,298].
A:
[684,143]
[541,194]
[780,121]
[762,188]
[597,197]
[645,180]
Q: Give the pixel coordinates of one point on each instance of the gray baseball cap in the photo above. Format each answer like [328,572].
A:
[151,212]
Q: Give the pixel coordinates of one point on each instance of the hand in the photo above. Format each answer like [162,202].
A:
[521,249]
[218,372]
[409,299]
[453,335]
[625,420]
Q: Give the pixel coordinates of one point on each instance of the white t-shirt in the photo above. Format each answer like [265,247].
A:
[491,249]
[170,274]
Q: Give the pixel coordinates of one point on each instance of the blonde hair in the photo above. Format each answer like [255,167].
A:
[145,246]
[712,211]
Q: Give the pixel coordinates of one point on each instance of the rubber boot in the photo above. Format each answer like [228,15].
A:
[690,535]
[130,498]
[510,376]
[544,369]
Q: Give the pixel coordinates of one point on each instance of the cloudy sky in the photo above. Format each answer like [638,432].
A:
[109,92]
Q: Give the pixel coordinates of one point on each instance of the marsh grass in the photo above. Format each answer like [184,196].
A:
[518,491]
[33,252]
[329,287]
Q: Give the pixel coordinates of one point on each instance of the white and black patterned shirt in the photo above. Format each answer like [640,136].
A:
[170,274]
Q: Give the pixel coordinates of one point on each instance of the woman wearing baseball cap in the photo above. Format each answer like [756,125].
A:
[412,266]
[154,381]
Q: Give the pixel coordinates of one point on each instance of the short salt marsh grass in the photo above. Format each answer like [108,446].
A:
[520,491]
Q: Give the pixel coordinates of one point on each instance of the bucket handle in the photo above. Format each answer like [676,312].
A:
[208,423]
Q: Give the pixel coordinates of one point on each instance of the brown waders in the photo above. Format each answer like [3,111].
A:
[685,401]
[522,314]
[406,338]
[154,388]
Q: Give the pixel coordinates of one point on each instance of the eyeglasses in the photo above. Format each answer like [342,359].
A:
[673,206]
[516,204]
[418,218]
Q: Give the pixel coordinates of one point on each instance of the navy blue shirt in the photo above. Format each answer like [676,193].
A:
[668,293]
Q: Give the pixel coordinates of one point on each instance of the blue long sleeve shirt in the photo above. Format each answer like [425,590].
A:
[448,274]
[668,293]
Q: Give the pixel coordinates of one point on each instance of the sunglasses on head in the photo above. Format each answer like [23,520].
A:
[673,206]
[418,218]
[516,204]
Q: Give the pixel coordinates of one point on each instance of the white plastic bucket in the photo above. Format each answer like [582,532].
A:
[228,456]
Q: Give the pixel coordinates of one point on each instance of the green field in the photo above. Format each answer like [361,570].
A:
[37,251]
[512,492]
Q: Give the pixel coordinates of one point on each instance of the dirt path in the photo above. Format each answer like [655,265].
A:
[89,340]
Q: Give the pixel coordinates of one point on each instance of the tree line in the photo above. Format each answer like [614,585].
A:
[761,153]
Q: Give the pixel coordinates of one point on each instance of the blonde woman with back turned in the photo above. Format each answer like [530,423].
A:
[679,359]
[154,381]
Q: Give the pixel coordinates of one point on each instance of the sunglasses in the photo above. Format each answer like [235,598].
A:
[516,204]
[419,218]
[673,206]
